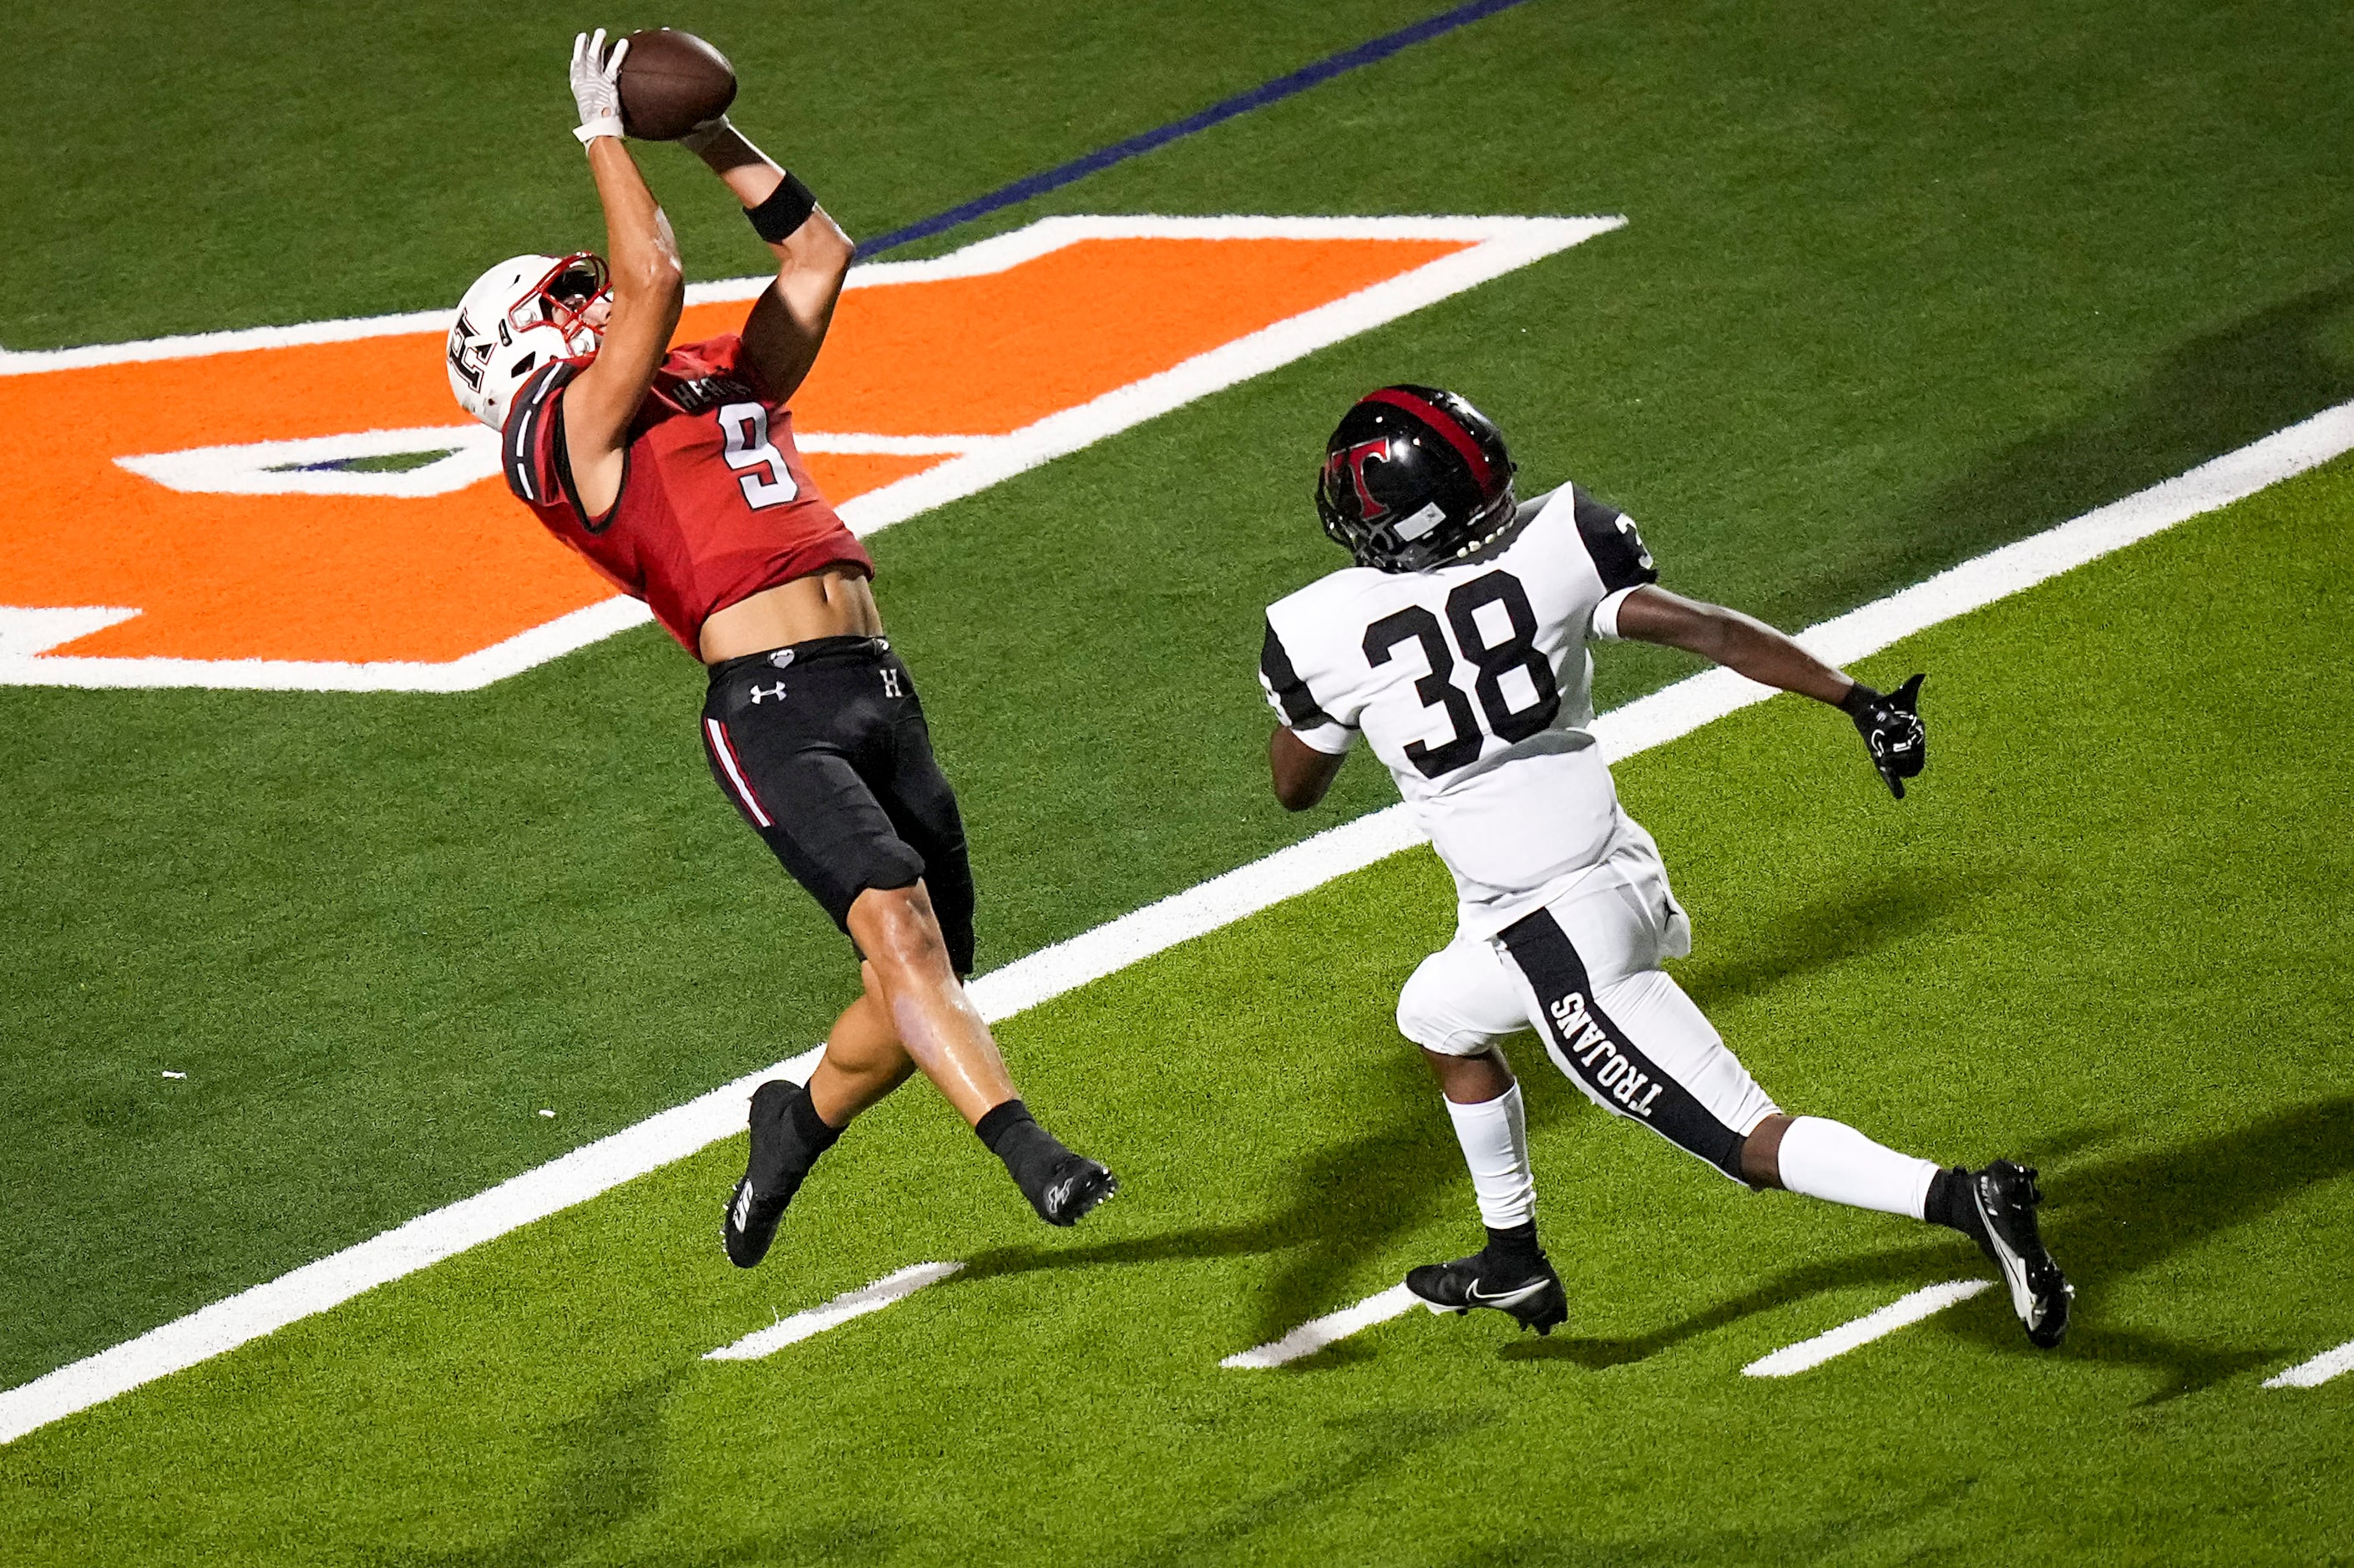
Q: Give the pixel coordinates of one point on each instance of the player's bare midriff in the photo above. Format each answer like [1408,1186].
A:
[833,601]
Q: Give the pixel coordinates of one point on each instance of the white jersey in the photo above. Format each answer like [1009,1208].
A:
[1473,683]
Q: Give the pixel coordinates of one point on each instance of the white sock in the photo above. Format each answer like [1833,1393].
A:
[1831,1159]
[1495,1138]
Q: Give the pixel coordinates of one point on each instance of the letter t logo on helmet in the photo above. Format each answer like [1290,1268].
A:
[1414,477]
[1369,507]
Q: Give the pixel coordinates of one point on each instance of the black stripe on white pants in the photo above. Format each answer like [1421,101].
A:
[1599,1052]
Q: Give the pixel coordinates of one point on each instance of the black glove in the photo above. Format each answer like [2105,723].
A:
[1890,727]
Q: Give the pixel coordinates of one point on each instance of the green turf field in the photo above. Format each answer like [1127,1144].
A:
[1894,290]
[2101,936]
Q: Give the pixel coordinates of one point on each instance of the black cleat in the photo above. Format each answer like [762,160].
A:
[1060,1186]
[771,1176]
[1533,1297]
[2005,1196]
[1077,1186]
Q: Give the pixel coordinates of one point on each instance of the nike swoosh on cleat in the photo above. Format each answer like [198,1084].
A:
[2014,1275]
[2010,1260]
[1508,1298]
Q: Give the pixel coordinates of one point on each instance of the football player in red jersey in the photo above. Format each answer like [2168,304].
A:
[672,471]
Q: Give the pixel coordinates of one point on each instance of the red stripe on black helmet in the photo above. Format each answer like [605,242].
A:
[1443,420]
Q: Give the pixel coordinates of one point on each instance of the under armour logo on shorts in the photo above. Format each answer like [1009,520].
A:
[891,683]
[777,691]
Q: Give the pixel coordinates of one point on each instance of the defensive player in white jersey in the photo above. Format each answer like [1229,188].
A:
[1456,646]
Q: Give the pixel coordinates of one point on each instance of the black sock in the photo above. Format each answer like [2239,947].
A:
[1950,1204]
[1031,1153]
[805,1136]
[815,1133]
[1518,1245]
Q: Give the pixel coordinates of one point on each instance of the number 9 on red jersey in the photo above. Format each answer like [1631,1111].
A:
[714,504]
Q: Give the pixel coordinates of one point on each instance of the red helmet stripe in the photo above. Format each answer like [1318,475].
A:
[1445,424]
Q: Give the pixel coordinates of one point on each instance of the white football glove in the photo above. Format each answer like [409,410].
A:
[596,86]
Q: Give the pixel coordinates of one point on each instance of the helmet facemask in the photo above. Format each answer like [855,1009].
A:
[517,318]
[563,299]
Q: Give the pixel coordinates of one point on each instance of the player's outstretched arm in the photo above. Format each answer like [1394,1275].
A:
[1726,637]
[1890,724]
[789,322]
[649,287]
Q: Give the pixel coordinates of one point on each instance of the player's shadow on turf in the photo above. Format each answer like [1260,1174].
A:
[1910,1266]
[607,1472]
[1894,1530]
[2209,394]
[2117,1217]
[1930,1258]
[607,1469]
[1363,1448]
[2107,1221]
[1350,1198]
[1825,932]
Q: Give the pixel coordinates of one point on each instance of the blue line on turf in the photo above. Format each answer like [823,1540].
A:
[1258,96]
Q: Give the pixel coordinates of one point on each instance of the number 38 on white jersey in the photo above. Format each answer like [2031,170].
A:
[1472,684]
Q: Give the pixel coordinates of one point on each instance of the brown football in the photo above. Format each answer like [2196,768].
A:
[671,83]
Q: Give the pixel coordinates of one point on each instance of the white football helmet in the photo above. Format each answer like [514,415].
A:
[517,317]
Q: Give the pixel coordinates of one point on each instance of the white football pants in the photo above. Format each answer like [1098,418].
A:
[1584,971]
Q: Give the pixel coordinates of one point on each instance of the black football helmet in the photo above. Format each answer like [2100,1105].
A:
[1414,476]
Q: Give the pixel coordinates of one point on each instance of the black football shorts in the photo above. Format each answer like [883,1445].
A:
[823,747]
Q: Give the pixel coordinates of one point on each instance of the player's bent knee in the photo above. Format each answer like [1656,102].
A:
[1435,1029]
[1439,1040]
[898,930]
[1452,1005]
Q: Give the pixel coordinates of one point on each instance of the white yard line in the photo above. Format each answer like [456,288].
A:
[1314,1335]
[978,259]
[1930,1298]
[1494,247]
[841,1309]
[1680,708]
[2317,1372]
[1052,972]
[999,253]
[1502,245]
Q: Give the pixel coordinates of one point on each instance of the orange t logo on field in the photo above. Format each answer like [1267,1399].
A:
[306,507]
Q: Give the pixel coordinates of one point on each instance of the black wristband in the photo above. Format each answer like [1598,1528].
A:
[1858,699]
[787,209]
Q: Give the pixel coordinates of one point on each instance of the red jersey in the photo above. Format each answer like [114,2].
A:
[715,503]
